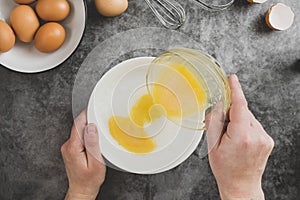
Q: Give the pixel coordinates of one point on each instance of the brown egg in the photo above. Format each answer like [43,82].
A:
[7,37]
[24,22]
[24,1]
[52,10]
[111,8]
[49,37]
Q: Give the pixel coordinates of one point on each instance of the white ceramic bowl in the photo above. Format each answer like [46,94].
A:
[26,58]
[111,96]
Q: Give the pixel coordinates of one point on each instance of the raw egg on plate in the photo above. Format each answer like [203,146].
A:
[129,131]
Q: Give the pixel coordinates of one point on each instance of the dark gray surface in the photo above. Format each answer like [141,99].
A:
[36,109]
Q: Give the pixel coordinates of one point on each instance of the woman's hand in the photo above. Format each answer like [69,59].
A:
[239,156]
[84,163]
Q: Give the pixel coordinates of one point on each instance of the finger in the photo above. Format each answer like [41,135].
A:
[76,138]
[214,123]
[73,155]
[237,94]
[239,112]
[91,142]
[239,115]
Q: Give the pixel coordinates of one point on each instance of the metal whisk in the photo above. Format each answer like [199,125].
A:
[170,13]
[215,7]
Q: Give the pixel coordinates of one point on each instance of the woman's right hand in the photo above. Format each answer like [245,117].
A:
[239,156]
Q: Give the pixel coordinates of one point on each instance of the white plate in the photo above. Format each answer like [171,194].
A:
[25,58]
[113,96]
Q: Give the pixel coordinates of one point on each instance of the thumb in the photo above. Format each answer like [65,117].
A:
[91,143]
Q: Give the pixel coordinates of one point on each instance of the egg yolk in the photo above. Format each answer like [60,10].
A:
[129,131]
[177,91]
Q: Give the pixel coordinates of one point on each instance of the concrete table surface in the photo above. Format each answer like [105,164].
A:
[36,109]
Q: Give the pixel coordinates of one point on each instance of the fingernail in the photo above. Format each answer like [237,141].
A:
[91,129]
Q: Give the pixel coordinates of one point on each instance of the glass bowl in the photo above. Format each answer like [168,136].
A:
[188,84]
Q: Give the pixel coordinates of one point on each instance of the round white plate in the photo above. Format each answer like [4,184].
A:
[113,95]
[25,58]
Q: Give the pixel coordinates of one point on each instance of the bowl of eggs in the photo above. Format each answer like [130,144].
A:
[36,36]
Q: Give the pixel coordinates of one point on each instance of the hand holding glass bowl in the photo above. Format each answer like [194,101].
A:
[187,83]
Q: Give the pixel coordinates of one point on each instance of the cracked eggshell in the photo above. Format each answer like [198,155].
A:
[280,17]
[257,1]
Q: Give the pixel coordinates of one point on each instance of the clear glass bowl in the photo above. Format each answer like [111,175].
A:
[201,71]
